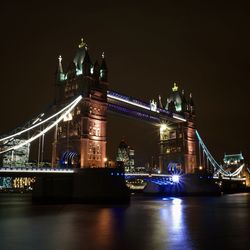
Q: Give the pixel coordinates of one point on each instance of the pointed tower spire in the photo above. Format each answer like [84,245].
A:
[60,74]
[80,54]
[175,87]
[82,44]
[160,102]
[103,69]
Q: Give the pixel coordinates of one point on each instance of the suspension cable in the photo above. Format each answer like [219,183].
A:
[38,124]
[73,104]
[215,164]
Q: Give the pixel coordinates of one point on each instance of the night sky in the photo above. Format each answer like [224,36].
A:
[205,48]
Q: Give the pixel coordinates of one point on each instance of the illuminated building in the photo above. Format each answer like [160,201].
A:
[16,183]
[125,154]
[23,182]
[233,161]
[5,183]
[18,157]
[80,141]
[178,141]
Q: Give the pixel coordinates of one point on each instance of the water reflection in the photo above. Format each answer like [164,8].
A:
[148,223]
[176,212]
[103,228]
[173,219]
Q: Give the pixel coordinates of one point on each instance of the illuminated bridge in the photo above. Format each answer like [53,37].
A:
[78,121]
[116,102]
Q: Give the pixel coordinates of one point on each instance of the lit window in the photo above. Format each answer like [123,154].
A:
[97,132]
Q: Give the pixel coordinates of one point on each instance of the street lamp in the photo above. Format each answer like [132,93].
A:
[105,159]
[163,127]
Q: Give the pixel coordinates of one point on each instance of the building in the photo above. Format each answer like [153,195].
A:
[233,160]
[178,143]
[17,157]
[80,141]
[125,155]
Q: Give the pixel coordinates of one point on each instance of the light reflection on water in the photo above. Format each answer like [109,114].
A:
[176,216]
[171,214]
[147,223]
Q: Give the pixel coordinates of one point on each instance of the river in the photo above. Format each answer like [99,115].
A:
[221,222]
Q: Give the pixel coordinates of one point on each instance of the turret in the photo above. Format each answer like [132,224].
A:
[59,72]
[103,69]
[79,57]
[174,100]
[160,102]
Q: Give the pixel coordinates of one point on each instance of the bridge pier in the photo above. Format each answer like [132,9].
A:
[88,185]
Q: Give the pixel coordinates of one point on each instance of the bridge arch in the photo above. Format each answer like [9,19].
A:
[70,159]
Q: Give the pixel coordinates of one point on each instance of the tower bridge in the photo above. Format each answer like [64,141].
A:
[79,121]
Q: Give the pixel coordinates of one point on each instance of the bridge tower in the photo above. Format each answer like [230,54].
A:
[178,143]
[80,140]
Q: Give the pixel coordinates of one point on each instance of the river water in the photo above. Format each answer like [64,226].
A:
[147,223]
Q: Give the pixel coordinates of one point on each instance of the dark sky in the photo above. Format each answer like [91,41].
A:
[204,47]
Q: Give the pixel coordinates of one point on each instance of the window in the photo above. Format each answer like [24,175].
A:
[97,131]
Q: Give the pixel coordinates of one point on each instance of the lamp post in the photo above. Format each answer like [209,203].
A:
[105,159]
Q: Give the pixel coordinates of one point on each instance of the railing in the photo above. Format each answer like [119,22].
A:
[35,170]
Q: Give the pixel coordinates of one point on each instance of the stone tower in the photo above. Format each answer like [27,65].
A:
[80,140]
[178,143]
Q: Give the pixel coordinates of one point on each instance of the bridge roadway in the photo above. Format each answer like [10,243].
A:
[6,171]
[28,171]
[132,107]
[35,171]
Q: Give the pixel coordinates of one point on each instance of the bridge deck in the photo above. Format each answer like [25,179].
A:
[129,106]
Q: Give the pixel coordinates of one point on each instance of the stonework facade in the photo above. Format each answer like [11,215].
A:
[178,143]
[80,140]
